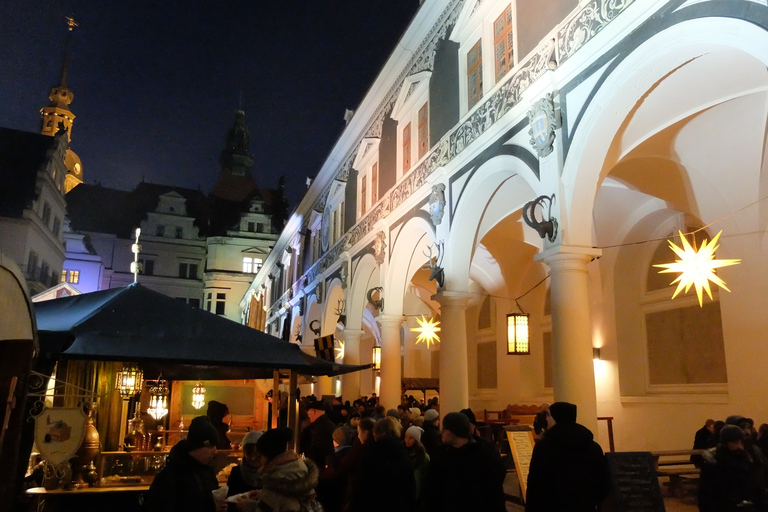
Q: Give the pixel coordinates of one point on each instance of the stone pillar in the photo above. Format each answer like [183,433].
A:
[391,376]
[572,366]
[454,374]
[350,382]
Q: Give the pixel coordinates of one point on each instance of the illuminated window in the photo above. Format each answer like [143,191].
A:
[407,148]
[423,130]
[251,265]
[375,183]
[363,195]
[503,47]
[63,276]
[74,276]
[474,74]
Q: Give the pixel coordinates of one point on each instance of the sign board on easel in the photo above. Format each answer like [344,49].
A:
[521,444]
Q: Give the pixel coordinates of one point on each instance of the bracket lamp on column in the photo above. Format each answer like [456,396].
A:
[376,357]
[129,380]
[198,395]
[517,332]
[158,399]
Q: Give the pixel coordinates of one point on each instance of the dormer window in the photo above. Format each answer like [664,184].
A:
[367,165]
[407,148]
[503,44]
[474,74]
[411,111]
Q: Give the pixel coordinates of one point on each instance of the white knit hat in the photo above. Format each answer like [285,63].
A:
[415,432]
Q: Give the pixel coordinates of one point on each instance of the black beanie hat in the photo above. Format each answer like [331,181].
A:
[731,433]
[274,442]
[563,412]
[217,410]
[201,433]
[469,414]
[457,423]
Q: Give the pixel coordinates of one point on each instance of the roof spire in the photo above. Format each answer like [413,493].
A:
[71,23]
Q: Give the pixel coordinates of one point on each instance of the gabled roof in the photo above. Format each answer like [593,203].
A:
[22,155]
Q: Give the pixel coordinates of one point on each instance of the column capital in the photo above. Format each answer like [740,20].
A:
[390,320]
[348,334]
[560,256]
[451,298]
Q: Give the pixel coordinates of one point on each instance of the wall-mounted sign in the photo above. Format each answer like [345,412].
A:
[59,431]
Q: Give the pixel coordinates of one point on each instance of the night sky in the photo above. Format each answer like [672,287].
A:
[156,84]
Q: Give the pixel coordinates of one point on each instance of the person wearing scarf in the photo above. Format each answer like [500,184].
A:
[245,476]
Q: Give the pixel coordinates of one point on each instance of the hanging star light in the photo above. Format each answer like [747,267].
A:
[339,350]
[696,268]
[427,330]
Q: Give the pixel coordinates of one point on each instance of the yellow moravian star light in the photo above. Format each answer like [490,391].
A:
[696,268]
[427,330]
[339,350]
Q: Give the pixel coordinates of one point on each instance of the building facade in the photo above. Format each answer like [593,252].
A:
[537,156]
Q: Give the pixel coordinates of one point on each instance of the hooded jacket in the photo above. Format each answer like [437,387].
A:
[184,485]
[288,484]
[568,471]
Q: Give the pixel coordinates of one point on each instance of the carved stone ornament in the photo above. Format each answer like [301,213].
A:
[379,247]
[543,123]
[437,203]
[320,292]
[343,275]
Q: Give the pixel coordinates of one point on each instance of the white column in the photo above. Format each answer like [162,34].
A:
[454,374]
[391,377]
[572,365]
[350,382]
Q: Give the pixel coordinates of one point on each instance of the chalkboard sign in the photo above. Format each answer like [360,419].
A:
[521,444]
[635,483]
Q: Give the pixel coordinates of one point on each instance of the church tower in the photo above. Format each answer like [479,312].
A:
[235,182]
[57,115]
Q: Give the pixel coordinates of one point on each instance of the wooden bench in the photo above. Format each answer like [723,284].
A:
[683,475]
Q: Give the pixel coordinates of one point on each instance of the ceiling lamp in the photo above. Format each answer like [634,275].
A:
[427,330]
[696,268]
[376,358]
[198,395]
[129,380]
[158,399]
[517,332]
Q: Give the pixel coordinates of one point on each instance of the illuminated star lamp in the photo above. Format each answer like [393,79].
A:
[696,268]
[376,358]
[427,330]
[198,395]
[158,399]
[129,380]
[339,350]
[517,332]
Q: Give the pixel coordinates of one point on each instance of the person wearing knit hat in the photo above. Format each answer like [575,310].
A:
[568,470]
[414,433]
[187,480]
[431,436]
[245,476]
[218,413]
[431,415]
[732,475]
[417,455]
[416,418]
[463,474]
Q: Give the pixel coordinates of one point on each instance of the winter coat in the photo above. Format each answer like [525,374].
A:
[568,471]
[184,485]
[384,479]
[463,479]
[288,484]
[430,438]
[331,492]
[317,440]
[729,478]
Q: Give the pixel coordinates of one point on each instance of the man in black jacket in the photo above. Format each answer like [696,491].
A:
[462,474]
[568,470]
[186,482]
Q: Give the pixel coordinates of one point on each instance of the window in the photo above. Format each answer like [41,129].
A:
[56,226]
[147,266]
[474,74]
[251,265]
[363,195]
[32,263]
[63,276]
[46,214]
[503,48]
[407,148]
[208,303]
[160,230]
[221,301]
[374,182]
[179,232]
[259,227]
[188,270]
[45,269]
[74,276]
[251,227]
[423,130]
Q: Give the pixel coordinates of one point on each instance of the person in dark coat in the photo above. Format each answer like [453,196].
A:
[568,470]
[384,481]
[187,480]
[731,478]
[317,438]
[245,476]
[350,464]
[462,474]
[218,413]
[703,440]
[331,492]
[431,436]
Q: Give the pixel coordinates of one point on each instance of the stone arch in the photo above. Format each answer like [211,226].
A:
[365,277]
[656,67]
[406,259]
[500,187]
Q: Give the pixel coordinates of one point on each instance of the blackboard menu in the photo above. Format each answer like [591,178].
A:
[635,483]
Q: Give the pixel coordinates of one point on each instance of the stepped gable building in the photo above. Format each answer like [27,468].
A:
[517,156]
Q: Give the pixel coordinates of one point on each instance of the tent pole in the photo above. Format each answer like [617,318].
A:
[293,407]
[275,398]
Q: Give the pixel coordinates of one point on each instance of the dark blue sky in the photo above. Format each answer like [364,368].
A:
[156,84]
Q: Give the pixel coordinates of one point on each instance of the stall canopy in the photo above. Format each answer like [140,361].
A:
[166,335]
